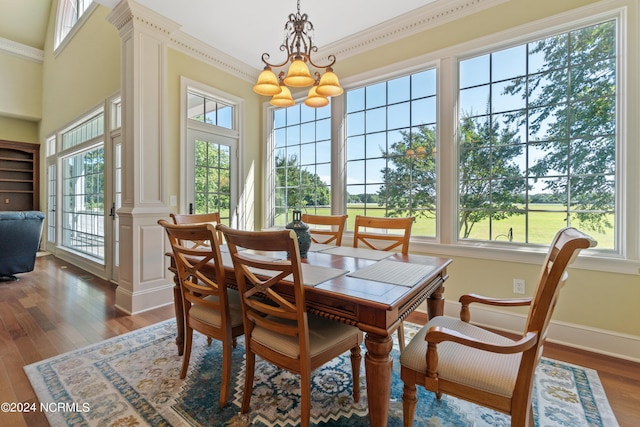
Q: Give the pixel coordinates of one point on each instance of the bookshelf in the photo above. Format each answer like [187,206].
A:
[19,176]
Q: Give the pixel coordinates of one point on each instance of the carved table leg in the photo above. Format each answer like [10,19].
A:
[378,364]
[435,303]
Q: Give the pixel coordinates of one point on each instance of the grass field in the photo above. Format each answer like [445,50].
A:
[542,225]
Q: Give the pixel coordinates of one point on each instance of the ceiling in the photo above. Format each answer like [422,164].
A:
[242,29]
[247,29]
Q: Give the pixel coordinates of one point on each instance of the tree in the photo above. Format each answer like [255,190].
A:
[212,177]
[296,187]
[490,180]
[410,177]
[574,96]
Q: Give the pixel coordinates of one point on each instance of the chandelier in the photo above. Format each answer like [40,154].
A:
[298,44]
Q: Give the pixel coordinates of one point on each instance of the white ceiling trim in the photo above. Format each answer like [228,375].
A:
[417,21]
[22,50]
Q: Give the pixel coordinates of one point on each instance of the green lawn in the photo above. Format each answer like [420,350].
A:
[542,225]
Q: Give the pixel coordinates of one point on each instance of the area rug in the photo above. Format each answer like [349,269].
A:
[133,380]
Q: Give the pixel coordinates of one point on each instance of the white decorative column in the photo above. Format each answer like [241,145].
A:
[144,282]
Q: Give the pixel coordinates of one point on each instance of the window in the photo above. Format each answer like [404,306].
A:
[302,139]
[391,147]
[82,163]
[69,14]
[537,139]
[210,151]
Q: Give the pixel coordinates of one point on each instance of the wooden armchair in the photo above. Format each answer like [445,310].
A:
[372,232]
[455,357]
[209,307]
[332,230]
[277,325]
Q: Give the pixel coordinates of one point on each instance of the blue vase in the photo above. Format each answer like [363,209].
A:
[302,231]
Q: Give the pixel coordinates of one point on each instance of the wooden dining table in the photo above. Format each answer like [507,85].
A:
[376,307]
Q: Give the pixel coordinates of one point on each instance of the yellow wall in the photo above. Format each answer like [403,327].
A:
[18,130]
[83,75]
[20,87]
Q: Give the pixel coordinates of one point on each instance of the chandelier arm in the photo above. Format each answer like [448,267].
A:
[266,56]
[331,58]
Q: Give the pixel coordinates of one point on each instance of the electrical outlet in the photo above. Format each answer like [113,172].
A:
[518,286]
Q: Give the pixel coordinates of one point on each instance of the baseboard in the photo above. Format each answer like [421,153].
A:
[138,302]
[614,344]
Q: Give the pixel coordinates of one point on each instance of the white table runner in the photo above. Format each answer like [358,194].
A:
[394,272]
[358,253]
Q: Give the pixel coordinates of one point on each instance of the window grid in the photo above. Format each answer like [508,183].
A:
[207,110]
[538,149]
[391,147]
[302,140]
[86,131]
[83,203]
[213,179]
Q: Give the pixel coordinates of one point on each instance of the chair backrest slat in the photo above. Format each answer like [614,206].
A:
[331,233]
[381,239]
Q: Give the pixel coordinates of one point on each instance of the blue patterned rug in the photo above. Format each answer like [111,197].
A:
[133,380]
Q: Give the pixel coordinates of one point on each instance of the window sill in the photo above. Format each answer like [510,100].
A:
[588,260]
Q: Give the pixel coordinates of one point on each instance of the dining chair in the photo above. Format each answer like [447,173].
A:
[373,232]
[455,357]
[211,217]
[277,326]
[331,230]
[209,307]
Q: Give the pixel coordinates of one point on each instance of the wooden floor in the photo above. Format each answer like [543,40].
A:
[58,308]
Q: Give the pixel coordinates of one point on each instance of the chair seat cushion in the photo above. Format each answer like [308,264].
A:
[323,334]
[484,370]
[212,317]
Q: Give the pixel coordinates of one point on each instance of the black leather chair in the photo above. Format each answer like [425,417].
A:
[20,233]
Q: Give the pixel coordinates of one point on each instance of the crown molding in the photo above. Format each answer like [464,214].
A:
[209,54]
[410,23]
[22,50]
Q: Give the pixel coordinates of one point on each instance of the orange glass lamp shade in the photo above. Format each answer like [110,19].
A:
[298,75]
[329,84]
[314,100]
[267,83]
[282,99]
